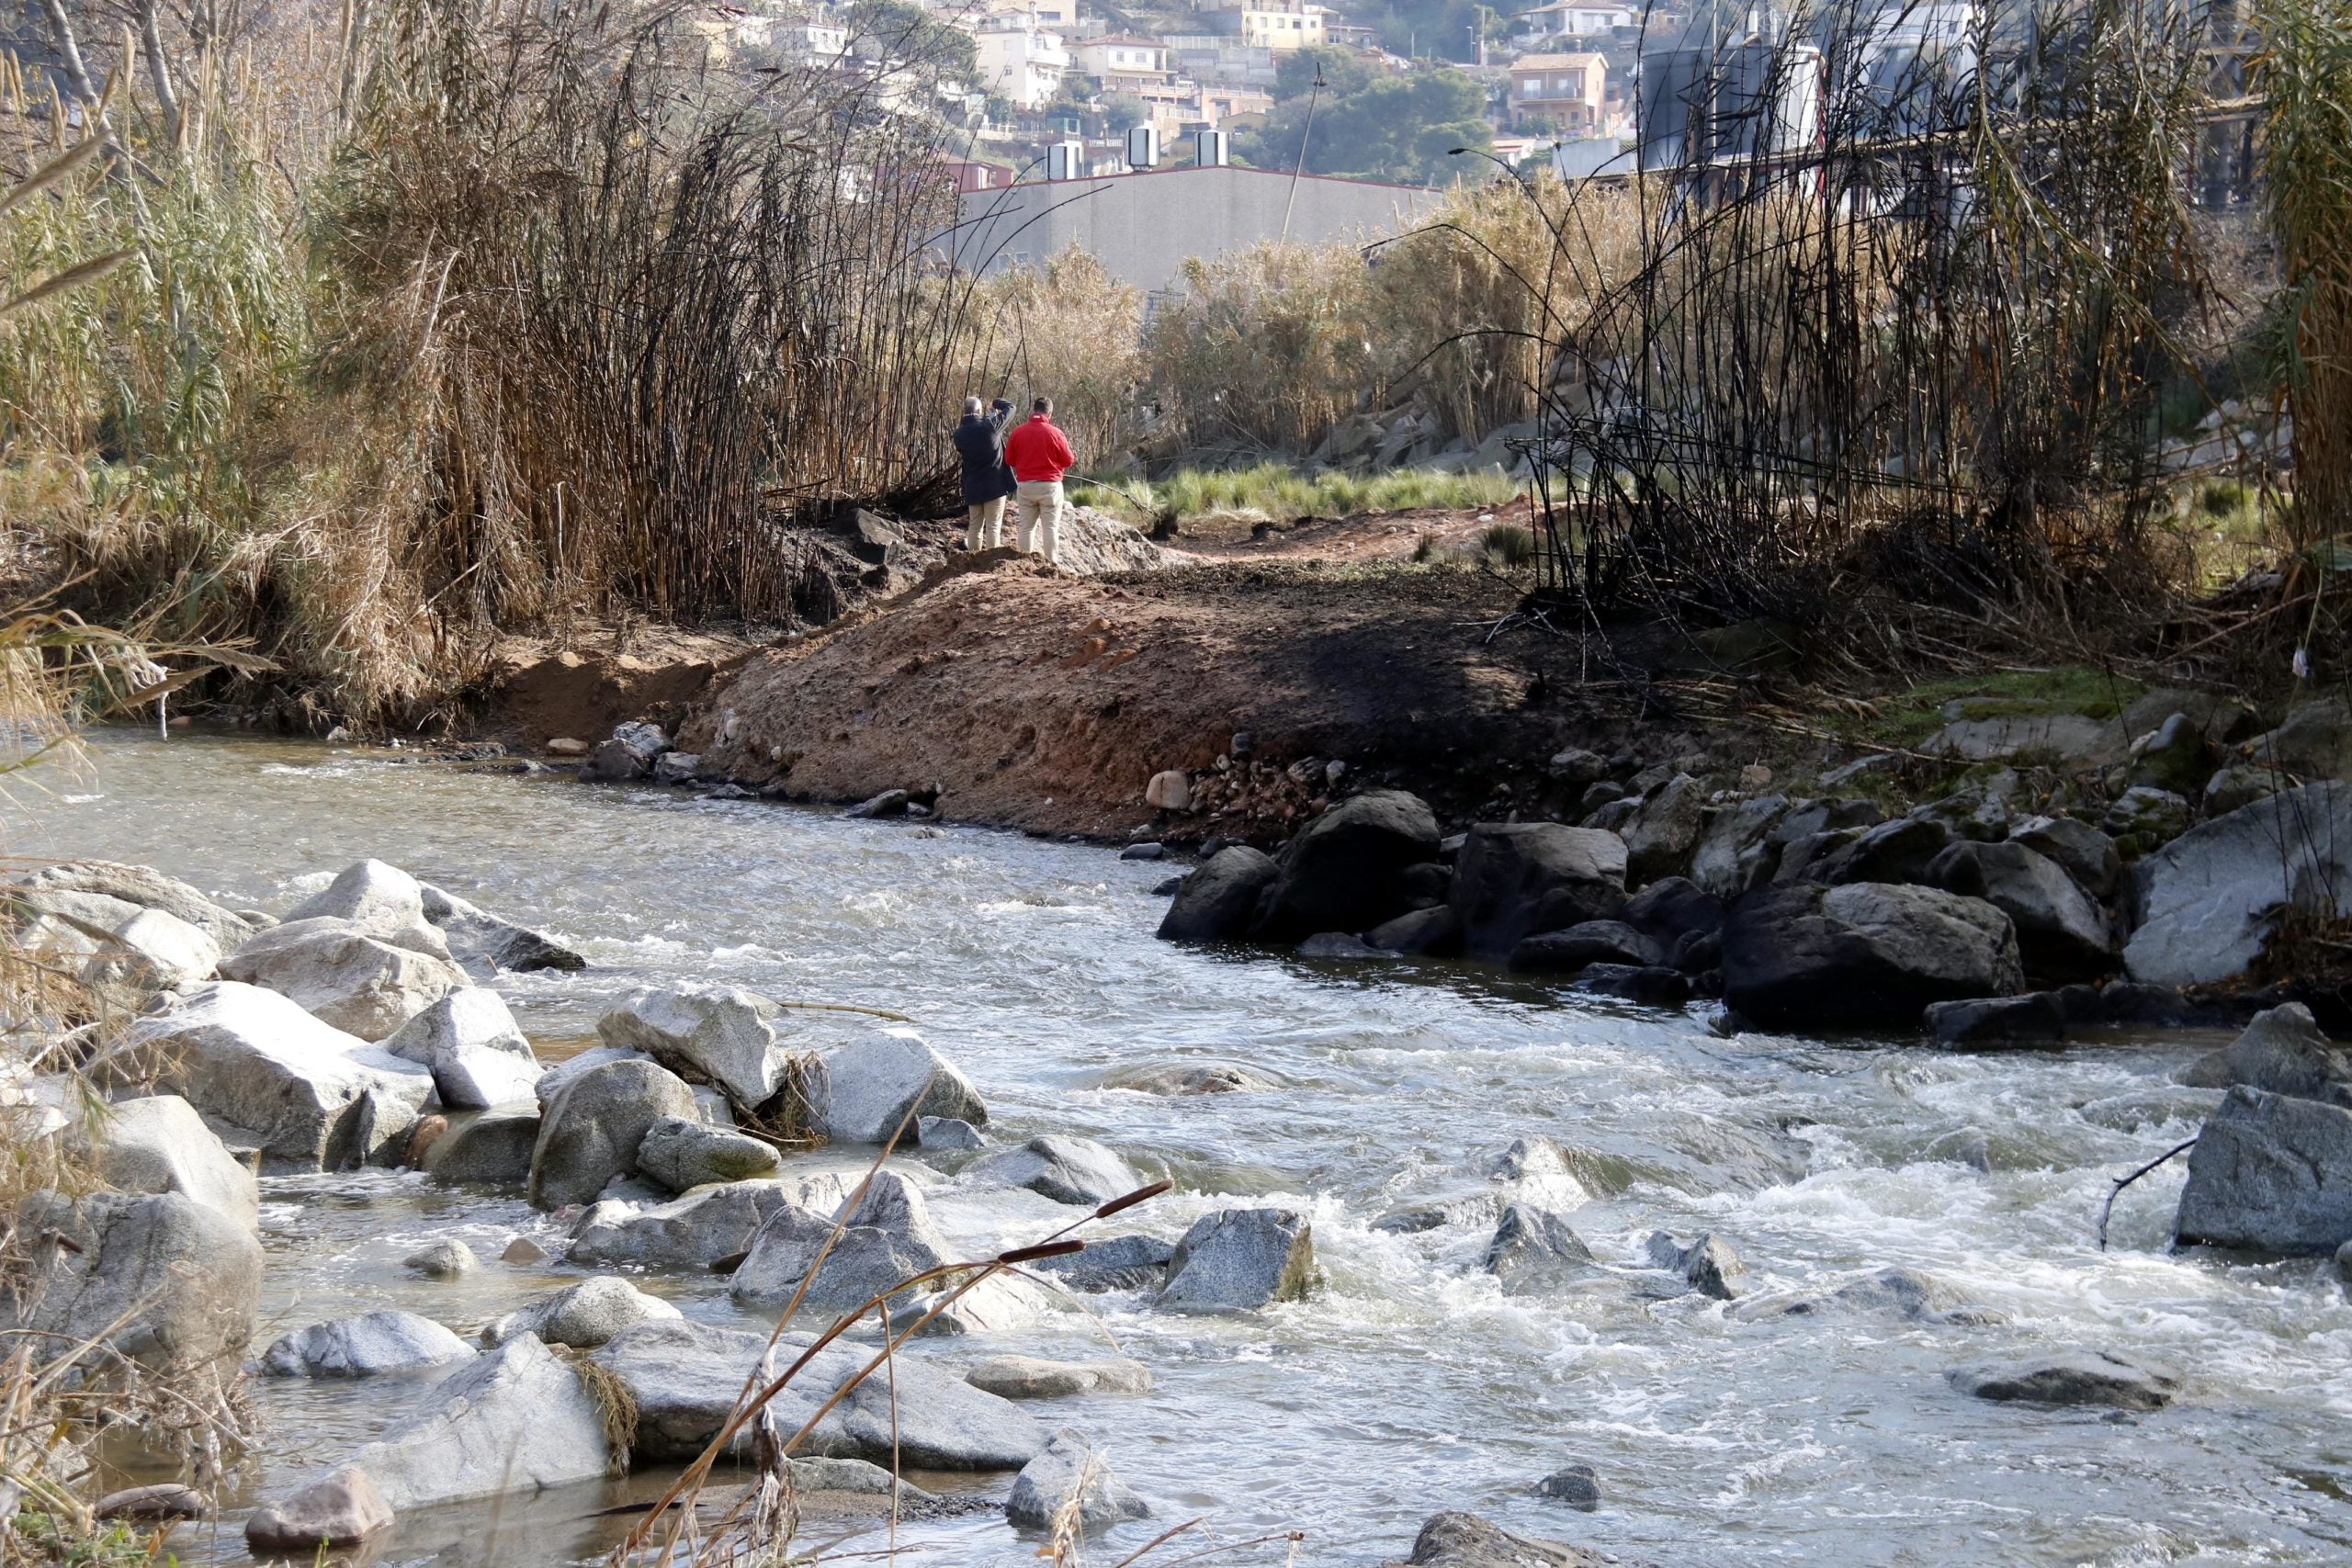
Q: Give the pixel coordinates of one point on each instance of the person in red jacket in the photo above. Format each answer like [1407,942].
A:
[1040,455]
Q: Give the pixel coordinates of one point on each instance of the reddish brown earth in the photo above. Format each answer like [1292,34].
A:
[1031,698]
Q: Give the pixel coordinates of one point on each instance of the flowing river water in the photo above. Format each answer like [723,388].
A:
[1409,1383]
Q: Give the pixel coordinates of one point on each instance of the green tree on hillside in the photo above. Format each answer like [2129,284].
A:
[1370,125]
[906,31]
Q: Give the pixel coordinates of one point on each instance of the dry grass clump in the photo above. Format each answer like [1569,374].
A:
[1070,332]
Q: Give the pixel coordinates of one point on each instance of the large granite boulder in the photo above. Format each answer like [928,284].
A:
[2283,1051]
[591,1131]
[516,1420]
[313,1097]
[582,1316]
[2271,1173]
[159,1143]
[2062,934]
[2083,851]
[476,936]
[1344,871]
[682,1155]
[863,1089]
[1897,851]
[2204,906]
[160,1280]
[889,1238]
[470,1043]
[487,1148]
[150,952]
[148,890]
[1067,1170]
[360,984]
[379,900]
[1513,880]
[369,1345]
[1864,954]
[1738,851]
[687,1378]
[1069,1478]
[698,1231]
[1239,1261]
[1219,899]
[722,1036]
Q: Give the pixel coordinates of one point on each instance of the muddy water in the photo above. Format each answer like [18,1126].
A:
[1410,1383]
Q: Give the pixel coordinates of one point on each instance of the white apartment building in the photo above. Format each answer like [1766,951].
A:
[1019,60]
[1118,60]
[1572,18]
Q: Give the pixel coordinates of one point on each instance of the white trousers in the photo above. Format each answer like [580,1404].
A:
[1038,525]
[986,529]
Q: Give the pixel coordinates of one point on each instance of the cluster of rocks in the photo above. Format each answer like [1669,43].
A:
[357,1031]
[1964,914]
[2271,1171]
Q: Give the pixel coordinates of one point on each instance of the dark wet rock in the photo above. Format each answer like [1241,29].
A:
[2271,1173]
[1652,985]
[2032,1019]
[1512,880]
[1897,851]
[1435,931]
[1708,1265]
[2135,1002]
[1674,908]
[2282,1051]
[629,753]
[1067,1170]
[367,1346]
[1218,900]
[344,1509]
[2062,933]
[1864,954]
[1147,851]
[1478,1209]
[1803,859]
[890,803]
[1112,1263]
[1697,953]
[1339,947]
[1466,1540]
[2079,1006]
[1661,836]
[2084,853]
[1589,942]
[684,1153]
[1534,1252]
[585,1316]
[160,1280]
[1427,885]
[1343,871]
[1577,1485]
[1179,1078]
[1070,1476]
[490,1148]
[1169,887]
[593,1126]
[2097,1377]
[1239,1261]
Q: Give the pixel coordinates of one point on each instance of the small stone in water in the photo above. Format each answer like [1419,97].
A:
[442,1260]
[1578,1487]
[522,1250]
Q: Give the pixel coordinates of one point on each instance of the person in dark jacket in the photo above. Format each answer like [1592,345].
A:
[988,479]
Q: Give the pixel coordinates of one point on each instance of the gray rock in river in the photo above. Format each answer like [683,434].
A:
[1436,932]
[683,1153]
[591,1130]
[687,1378]
[1577,1485]
[1900,1292]
[1896,852]
[367,1346]
[864,1090]
[1239,1261]
[477,936]
[2097,1377]
[147,888]
[1216,902]
[2283,1051]
[1343,871]
[1587,943]
[1112,1263]
[2062,933]
[445,1260]
[382,900]
[1864,954]
[2084,853]
[718,1034]
[1661,835]
[1030,1377]
[627,754]
[159,1143]
[1454,1540]
[889,1238]
[948,1134]
[1067,1170]
[2035,1018]
[1176,1079]
[313,1097]
[346,978]
[582,1317]
[2271,1173]
[345,1509]
[1340,948]
[1513,879]
[1534,1252]
[1708,1265]
[160,1280]
[2204,906]
[488,1148]
[516,1420]
[1070,1476]
[701,1230]
[470,1043]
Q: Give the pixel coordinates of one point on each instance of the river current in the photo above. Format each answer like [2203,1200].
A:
[1409,1383]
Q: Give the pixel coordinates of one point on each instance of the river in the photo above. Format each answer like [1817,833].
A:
[1409,1383]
